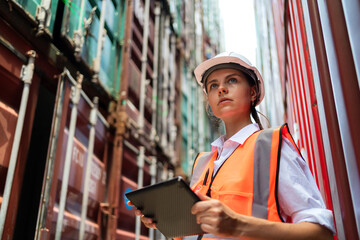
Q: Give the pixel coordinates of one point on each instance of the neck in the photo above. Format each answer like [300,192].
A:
[232,126]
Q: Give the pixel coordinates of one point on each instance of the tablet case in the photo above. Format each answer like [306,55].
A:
[169,204]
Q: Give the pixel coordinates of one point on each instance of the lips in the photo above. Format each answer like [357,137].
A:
[224,100]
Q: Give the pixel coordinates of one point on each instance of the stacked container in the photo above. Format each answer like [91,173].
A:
[90,108]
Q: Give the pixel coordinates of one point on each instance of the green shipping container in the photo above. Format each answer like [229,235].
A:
[109,72]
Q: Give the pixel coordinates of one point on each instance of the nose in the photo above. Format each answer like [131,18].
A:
[222,90]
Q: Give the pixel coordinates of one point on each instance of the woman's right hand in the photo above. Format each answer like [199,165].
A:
[148,222]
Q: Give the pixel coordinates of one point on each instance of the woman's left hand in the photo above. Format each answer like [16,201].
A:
[216,218]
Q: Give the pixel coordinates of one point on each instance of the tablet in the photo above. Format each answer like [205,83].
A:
[169,204]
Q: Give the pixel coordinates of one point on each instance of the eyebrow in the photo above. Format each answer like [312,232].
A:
[230,75]
[208,82]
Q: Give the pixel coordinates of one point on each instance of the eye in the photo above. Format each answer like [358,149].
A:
[212,86]
[232,80]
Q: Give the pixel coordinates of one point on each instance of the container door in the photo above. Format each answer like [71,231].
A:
[48,221]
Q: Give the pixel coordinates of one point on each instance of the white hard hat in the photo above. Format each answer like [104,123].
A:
[231,60]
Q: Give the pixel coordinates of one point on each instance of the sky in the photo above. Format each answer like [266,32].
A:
[239,27]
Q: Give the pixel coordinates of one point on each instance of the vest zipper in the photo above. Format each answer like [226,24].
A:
[206,176]
[208,193]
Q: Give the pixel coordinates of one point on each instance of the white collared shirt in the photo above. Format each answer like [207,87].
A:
[298,195]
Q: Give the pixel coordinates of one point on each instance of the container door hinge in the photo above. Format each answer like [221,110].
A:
[79,35]
[43,16]
[88,21]
[97,59]
[78,39]
[27,71]
[100,43]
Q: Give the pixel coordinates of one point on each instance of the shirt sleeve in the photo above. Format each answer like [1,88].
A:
[298,195]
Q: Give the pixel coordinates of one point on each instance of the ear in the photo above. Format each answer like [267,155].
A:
[253,94]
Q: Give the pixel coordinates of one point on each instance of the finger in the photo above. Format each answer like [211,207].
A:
[207,228]
[201,206]
[206,218]
[138,212]
[151,225]
[202,197]
[148,222]
[130,204]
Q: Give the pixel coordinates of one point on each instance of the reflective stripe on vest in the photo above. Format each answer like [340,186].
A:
[262,155]
[199,165]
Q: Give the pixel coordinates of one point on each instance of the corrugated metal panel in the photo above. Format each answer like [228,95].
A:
[299,90]
[303,101]
[321,87]
[345,92]
[14,157]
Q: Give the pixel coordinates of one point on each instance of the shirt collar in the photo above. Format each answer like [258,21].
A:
[238,137]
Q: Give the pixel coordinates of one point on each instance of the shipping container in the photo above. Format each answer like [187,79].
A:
[92,31]
[25,125]
[197,130]
[45,116]
[101,83]
[146,110]
[318,74]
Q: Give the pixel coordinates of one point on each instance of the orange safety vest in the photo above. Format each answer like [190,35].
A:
[247,180]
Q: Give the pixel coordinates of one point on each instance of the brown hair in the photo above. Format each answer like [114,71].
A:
[253,110]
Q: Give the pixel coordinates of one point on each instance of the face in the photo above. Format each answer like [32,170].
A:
[229,94]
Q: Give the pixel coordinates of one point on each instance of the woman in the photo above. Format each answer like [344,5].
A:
[245,192]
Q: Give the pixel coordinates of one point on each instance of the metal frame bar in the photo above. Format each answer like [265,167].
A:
[66,171]
[155,75]
[140,183]
[84,206]
[142,94]
[165,85]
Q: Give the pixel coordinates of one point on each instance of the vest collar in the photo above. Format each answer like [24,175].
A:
[239,137]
